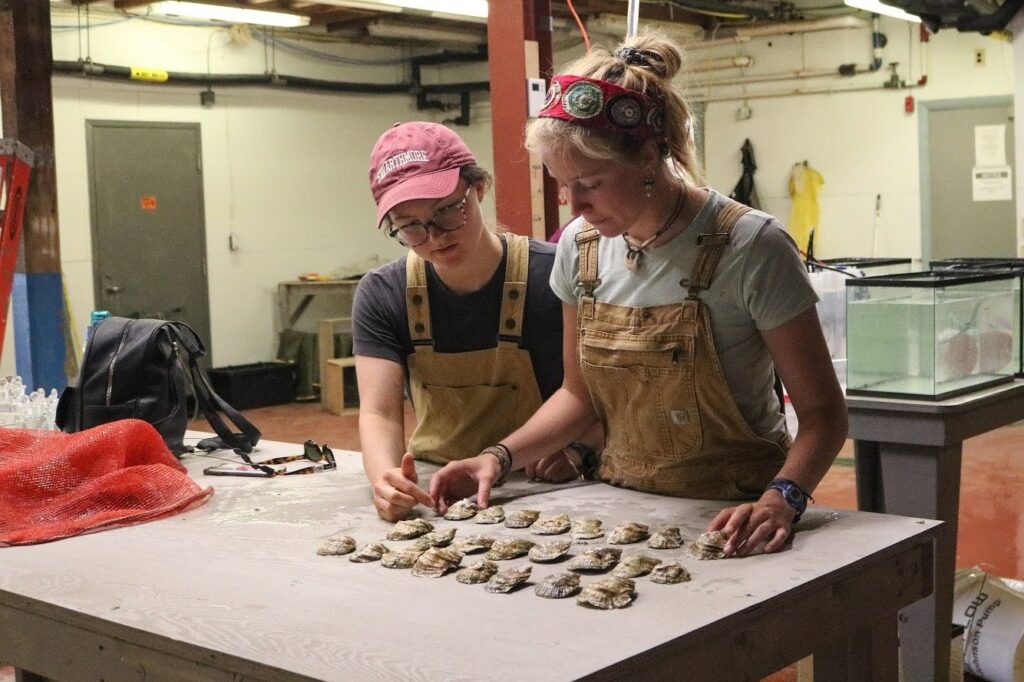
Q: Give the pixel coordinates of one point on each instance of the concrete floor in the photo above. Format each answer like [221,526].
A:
[992,486]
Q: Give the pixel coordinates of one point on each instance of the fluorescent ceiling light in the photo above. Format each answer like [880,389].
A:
[231,15]
[473,9]
[387,29]
[876,7]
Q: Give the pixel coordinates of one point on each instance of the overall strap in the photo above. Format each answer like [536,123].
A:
[710,246]
[416,302]
[513,293]
[586,242]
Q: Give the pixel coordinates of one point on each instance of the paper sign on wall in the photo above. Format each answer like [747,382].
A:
[147,203]
[992,183]
[990,145]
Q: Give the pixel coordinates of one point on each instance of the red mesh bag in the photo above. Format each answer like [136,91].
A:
[55,485]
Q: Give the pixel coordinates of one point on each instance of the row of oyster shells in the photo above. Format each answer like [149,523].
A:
[667,537]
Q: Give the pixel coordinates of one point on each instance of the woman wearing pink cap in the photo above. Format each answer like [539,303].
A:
[680,306]
[466,322]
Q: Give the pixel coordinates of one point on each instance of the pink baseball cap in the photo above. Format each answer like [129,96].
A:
[416,160]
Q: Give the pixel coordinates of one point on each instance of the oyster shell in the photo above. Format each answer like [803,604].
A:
[586,529]
[550,551]
[437,538]
[461,510]
[493,514]
[634,566]
[558,586]
[401,558]
[521,518]
[666,538]
[474,543]
[371,551]
[506,581]
[336,545]
[436,561]
[552,525]
[610,593]
[478,572]
[669,573]
[709,545]
[508,548]
[628,533]
[595,559]
[409,529]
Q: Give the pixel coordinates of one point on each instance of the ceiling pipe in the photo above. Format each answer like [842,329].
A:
[738,62]
[796,92]
[827,24]
[709,44]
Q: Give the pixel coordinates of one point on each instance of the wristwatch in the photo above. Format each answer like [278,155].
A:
[793,494]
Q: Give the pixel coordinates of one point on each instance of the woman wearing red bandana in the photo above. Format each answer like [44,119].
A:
[680,309]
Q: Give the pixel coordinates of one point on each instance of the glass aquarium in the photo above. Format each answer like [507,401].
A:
[931,335]
[991,265]
[871,266]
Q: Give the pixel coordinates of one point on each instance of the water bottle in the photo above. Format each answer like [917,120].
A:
[95,318]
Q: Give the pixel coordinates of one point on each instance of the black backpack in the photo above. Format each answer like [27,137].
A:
[147,369]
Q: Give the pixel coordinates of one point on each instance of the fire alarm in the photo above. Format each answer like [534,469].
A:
[908,104]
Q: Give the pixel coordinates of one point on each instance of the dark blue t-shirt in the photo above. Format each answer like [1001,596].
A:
[461,322]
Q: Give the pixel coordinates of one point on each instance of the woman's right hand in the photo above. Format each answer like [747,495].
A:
[396,492]
[463,478]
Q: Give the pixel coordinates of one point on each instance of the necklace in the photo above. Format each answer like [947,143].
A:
[635,254]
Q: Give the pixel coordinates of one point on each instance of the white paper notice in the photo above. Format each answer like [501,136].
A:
[990,145]
[992,183]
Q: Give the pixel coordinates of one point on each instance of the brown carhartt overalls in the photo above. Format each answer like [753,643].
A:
[467,401]
[671,423]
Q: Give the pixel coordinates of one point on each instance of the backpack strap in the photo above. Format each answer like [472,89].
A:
[209,401]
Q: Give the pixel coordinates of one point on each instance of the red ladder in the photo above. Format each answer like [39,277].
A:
[16,162]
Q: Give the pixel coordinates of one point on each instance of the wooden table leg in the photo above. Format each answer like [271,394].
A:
[25,676]
[925,482]
[868,654]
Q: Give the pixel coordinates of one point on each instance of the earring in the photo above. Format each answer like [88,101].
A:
[648,187]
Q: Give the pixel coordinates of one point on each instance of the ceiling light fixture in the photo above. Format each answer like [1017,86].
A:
[876,7]
[231,15]
[472,10]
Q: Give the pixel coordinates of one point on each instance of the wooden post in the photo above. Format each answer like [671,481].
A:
[511,25]
[26,97]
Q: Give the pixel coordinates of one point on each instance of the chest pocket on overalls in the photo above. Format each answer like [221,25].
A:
[643,389]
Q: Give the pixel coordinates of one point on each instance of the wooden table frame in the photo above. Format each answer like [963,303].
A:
[907,456]
[294,297]
[234,591]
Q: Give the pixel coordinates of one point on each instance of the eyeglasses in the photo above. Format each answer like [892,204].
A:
[321,458]
[447,219]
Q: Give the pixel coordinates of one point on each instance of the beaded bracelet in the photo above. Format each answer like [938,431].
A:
[504,456]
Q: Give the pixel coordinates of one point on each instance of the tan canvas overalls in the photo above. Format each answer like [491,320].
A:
[671,424]
[467,401]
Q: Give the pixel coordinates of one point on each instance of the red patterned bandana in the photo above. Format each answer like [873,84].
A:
[595,103]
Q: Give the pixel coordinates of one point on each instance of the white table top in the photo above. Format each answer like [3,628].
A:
[240,577]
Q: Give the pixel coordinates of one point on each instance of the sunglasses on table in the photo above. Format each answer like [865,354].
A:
[319,458]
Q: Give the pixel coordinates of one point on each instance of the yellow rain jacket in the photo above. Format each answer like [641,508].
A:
[804,184]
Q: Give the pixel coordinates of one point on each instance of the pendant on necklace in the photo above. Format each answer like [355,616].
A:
[634,259]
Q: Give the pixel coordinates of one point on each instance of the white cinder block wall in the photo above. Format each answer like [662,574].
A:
[285,171]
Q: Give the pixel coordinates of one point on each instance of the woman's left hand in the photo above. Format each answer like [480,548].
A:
[769,520]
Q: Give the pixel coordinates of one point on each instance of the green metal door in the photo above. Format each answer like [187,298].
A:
[148,228]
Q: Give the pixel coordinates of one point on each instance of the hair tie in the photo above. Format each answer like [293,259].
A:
[637,57]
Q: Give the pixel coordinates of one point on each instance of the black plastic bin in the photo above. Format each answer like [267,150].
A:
[257,385]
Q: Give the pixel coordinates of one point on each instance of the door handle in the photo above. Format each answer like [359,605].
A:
[113,290]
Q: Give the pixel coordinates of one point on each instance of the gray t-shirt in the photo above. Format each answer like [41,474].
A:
[760,283]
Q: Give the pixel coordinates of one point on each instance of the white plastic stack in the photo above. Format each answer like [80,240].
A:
[19,410]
